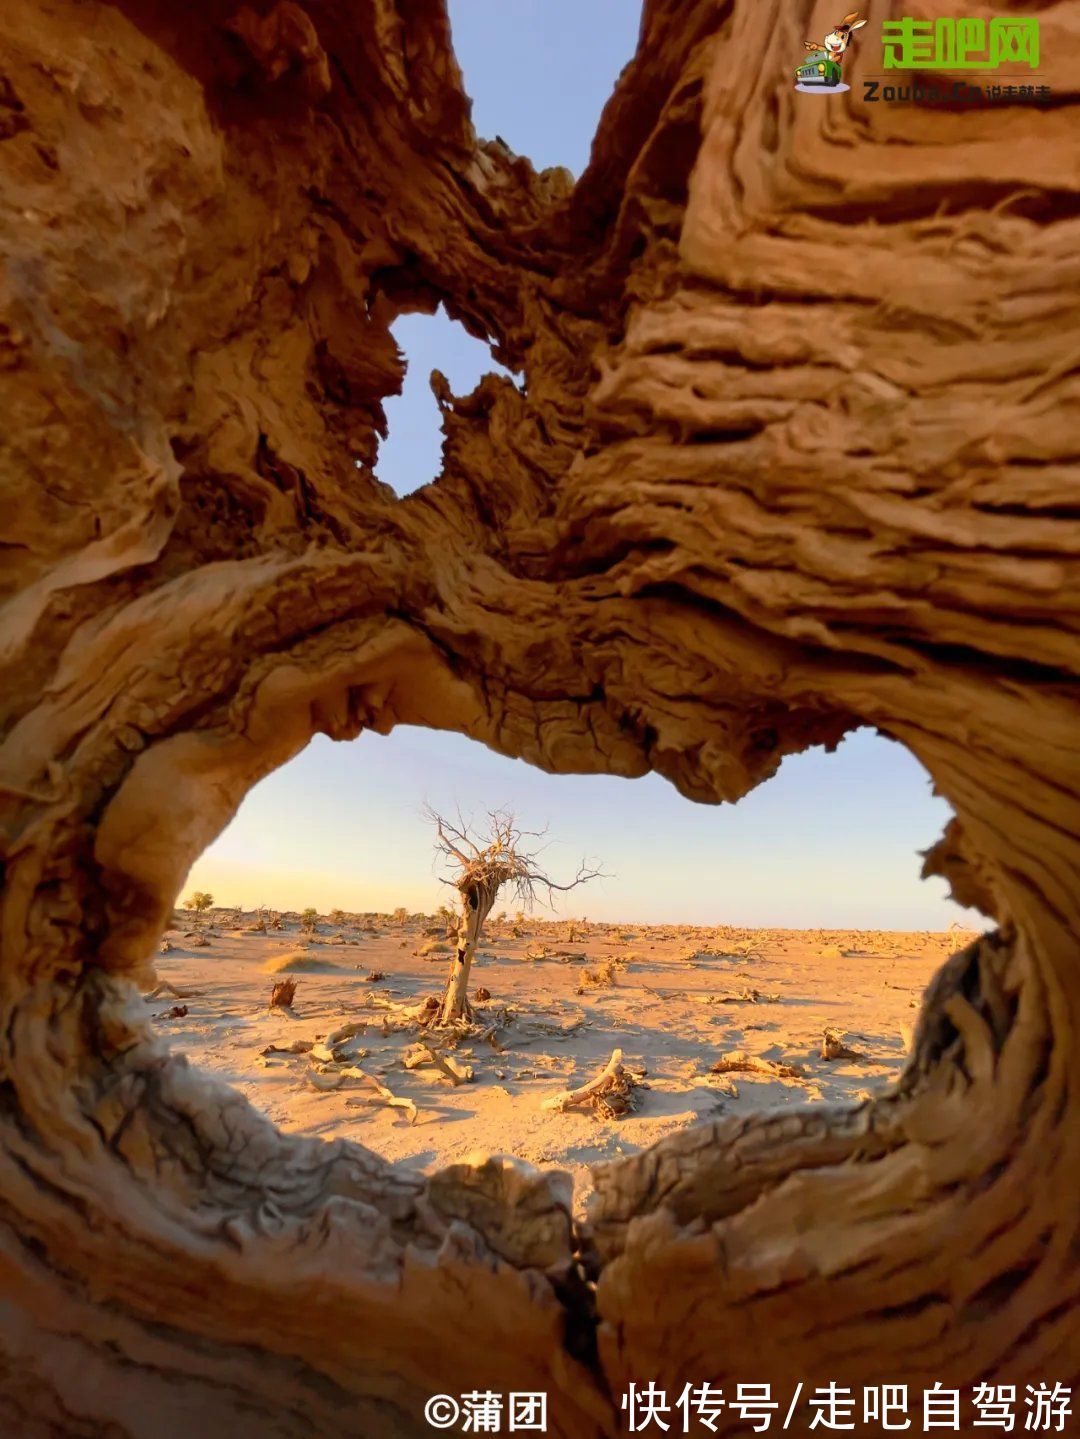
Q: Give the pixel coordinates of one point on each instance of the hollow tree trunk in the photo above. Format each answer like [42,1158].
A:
[794,452]
[476,905]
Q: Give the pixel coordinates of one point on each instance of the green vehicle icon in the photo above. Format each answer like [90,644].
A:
[818,69]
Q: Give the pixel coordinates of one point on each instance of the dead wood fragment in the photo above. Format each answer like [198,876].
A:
[326,1077]
[345,1031]
[422,1055]
[330,1051]
[405,1014]
[741,996]
[283,994]
[556,1031]
[170,989]
[611,1094]
[833,1046]
[746,996]
[737,1061]
[384,1096]
[298,1046]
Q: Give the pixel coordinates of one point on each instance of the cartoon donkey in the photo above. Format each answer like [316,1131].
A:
[839,38]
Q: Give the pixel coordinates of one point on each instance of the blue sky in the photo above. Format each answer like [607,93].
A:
[831,841]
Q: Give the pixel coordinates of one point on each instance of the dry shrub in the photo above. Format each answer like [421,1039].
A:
[300,960]
[603,976]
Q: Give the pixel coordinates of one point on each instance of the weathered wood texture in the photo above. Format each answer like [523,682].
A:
[794,449]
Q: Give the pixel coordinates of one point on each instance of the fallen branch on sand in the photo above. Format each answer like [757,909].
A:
[833,1046]
[611,1094]
[744,996]
[332,1065]
[731,996]
[329,1051]
[422,1055]
[404,1014]
[325,1078]
[384,1096]
[170,989]
[737,1061]
[491,1036]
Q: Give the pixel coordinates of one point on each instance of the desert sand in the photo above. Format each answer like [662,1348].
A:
[674,999]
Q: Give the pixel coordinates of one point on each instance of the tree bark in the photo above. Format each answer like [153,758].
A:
[794,452]
[475,907]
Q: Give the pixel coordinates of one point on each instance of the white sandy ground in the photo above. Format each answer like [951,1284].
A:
[661,1011]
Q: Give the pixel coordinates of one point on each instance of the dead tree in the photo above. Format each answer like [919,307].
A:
[483,869]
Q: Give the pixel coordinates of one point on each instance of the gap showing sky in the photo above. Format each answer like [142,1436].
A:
[831,841]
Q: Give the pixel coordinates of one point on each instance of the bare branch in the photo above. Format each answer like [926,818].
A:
[498,858]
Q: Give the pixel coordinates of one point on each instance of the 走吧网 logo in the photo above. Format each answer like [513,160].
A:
[944,43]
[953,43]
